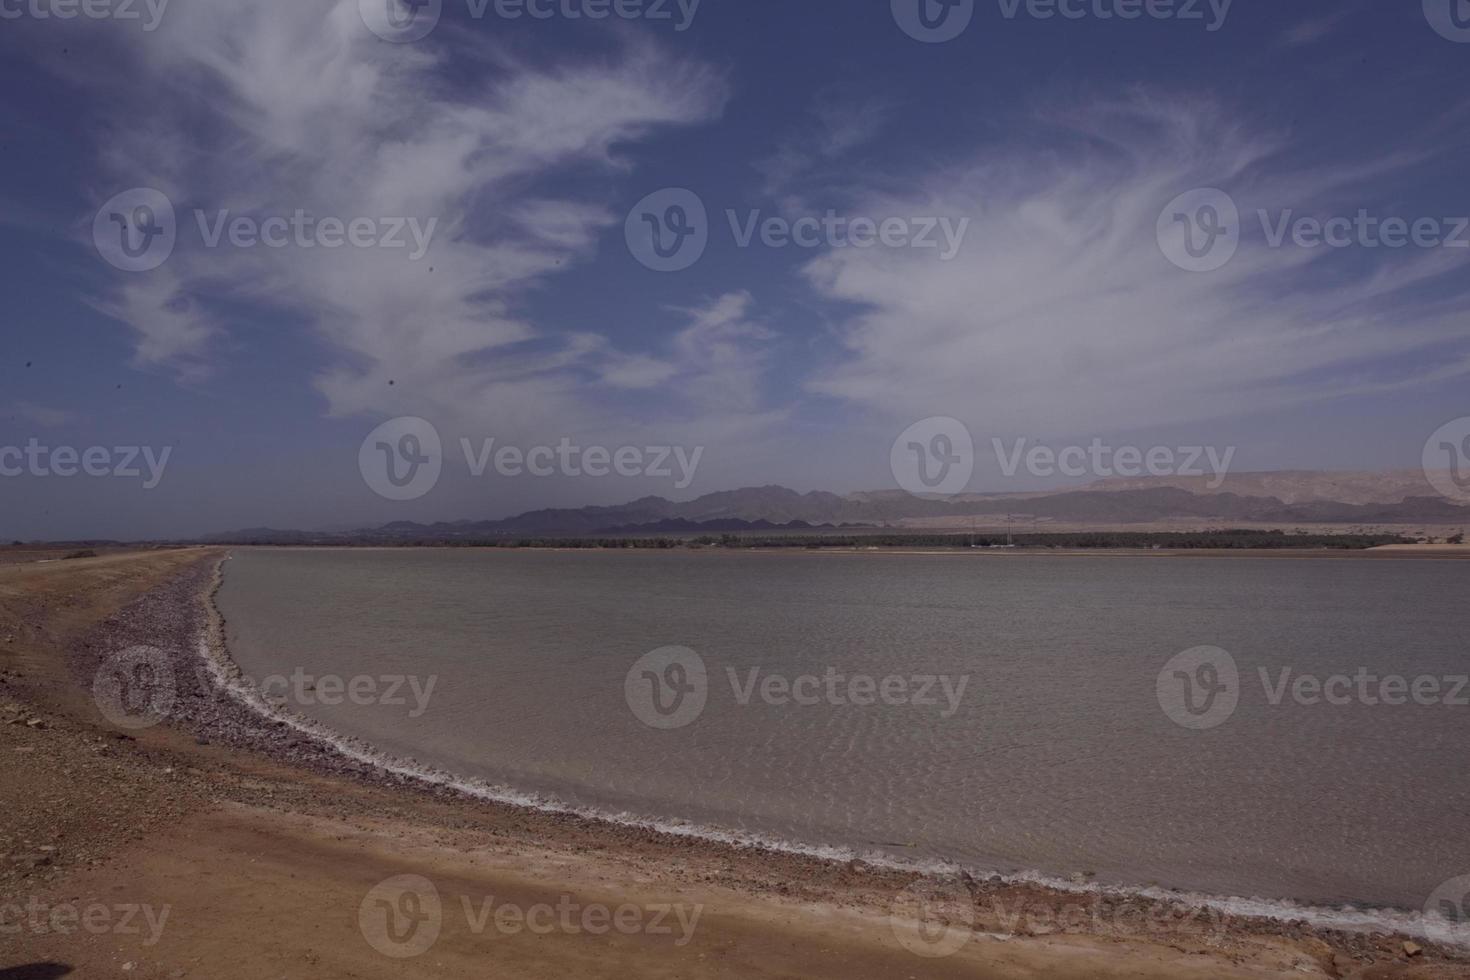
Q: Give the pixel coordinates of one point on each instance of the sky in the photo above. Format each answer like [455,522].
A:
[298,264]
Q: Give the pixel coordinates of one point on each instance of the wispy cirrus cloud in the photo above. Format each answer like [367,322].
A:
[1062,314]
[841,123]
[263,109]
[1314,29]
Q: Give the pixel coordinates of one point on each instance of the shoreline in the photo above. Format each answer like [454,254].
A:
[1358,918]
[179,616]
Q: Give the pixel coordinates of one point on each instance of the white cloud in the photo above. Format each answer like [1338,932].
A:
[724,354]
[172,330]
[1062,316]
[714,367]
[266,108]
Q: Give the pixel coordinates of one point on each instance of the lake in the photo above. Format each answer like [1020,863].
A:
[1006,712]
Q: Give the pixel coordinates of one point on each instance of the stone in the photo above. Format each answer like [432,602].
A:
[31,862]
[1412,949]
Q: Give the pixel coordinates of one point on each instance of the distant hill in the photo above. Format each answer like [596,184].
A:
[1283,498]
[1292,486]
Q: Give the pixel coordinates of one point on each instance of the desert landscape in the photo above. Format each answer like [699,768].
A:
[734,489]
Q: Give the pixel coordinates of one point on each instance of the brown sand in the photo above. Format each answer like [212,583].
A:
[263,861]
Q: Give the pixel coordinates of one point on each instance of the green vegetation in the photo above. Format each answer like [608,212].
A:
[1080,540]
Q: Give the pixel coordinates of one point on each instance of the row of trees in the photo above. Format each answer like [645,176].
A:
[1081,540]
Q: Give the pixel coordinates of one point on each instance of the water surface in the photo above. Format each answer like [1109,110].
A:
[1059,757]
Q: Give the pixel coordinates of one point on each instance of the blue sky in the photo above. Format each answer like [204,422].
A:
[1055,143]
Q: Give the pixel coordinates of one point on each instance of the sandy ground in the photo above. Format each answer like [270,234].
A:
[11,554]
[174,852]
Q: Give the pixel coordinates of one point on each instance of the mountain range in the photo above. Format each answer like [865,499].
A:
[1281,498]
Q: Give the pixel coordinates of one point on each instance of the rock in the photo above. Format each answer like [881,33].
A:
[1412,949]
[35,723]
[31,862]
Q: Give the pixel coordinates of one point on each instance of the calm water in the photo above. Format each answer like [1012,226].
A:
[1058,758]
